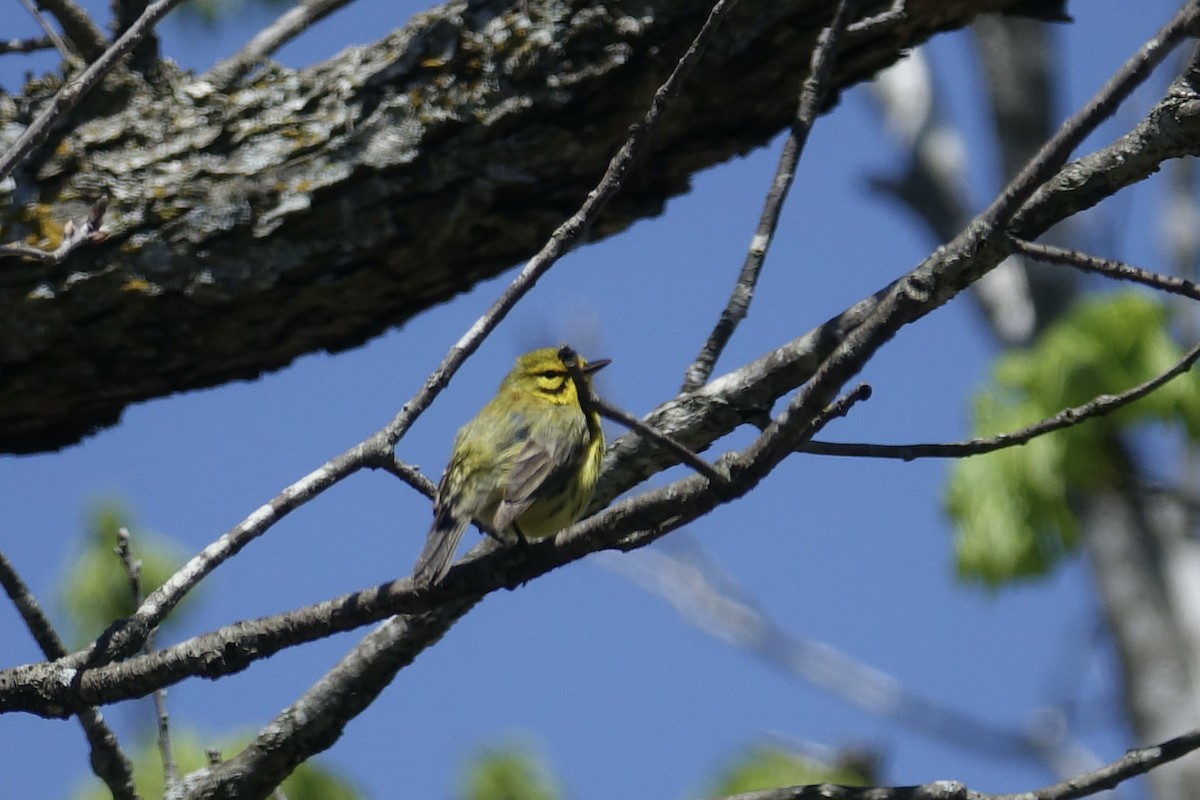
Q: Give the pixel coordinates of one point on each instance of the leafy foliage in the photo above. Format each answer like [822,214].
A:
[1012,507]
[509,773]
[771,766]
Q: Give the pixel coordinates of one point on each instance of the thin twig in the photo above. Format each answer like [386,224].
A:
[590,403]
[1068,417]
[708,598]
[286,27]
[133,571]
[1133,763]
[88,40]
[51,34]
[70,95]
[661,439]
[26,45]
[812,94]
[1107,267]
[1054,153]
[410,475]
[883,19]
[108,760]
[74,236]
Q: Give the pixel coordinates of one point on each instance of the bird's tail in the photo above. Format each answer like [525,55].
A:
[438,552]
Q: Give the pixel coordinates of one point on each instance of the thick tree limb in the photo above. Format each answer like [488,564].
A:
[314,209]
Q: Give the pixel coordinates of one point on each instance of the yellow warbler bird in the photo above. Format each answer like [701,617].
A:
[525,466]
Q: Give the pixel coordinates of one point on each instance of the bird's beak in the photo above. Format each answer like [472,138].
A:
[596,366]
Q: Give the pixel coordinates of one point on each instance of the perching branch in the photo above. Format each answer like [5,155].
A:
[1068,417]
[55,689]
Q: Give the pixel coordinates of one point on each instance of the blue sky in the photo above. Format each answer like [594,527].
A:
[620,696]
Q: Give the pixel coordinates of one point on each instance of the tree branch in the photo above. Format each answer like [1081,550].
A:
[107,759]
[1134,763]
[83,34]
[25,45]
[133,571]
[706,597]
[1068,417]
[813,93]
[1108,267]
[290,24]
[1055,152]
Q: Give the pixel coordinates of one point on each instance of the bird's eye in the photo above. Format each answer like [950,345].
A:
[552,373]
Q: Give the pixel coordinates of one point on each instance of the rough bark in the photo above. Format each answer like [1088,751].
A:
[313,209]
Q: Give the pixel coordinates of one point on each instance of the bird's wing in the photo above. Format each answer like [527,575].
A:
[540,461]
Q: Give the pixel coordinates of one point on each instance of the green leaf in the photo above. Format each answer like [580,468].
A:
[509,772]
[768,767]
[1011,508]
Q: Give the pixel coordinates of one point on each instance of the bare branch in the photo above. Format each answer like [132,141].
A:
[709,599]
[410,475]
[1107,267]
[1055,152]
[25,45]
[1068,417]
[286,27]
[63,51]
[85,37]
[74,236]
[129,634]
[1134,763]
[883,19]
[107,759]
[133,571]
[70,95]
[812,95]
[662,440]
